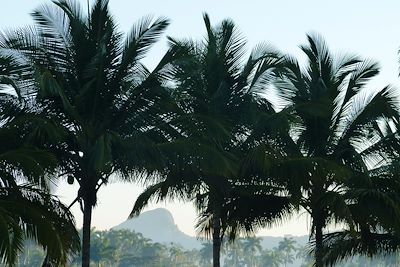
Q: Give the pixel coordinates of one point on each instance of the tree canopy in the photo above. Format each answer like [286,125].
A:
[249,137]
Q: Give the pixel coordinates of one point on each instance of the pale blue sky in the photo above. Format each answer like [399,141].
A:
[368,28]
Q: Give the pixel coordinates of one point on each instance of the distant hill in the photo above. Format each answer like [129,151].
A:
[159,225]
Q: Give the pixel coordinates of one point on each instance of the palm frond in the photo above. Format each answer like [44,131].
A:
[339,246]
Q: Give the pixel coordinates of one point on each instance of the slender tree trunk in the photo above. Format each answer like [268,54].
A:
[46,262]
[87,220]
[318,243]
[216,239]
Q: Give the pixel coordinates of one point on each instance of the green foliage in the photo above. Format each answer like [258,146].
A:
[199,127]
[127,248]
[27,209]
[97,105]
[337,117]
[215,89]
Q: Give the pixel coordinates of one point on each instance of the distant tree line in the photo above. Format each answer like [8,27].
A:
[249,138]
[125,248]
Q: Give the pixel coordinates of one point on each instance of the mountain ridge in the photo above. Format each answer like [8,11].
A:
[159,226]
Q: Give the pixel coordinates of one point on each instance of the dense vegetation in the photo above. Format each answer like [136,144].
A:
[249,140]
[126,248]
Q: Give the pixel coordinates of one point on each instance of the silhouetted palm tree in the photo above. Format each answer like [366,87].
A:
[95,100]
[27,209]
[376,230]
[333,136]
[215,89]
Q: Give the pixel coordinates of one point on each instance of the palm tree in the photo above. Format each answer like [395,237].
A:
[234,255]
[101,250]
[333,136]
[251,247]
[176,254]
[271,258]
[95,101]
[215,92]
[287,248]
[27,209]
[304,255]
[206,253]
[375,231]
[30,213]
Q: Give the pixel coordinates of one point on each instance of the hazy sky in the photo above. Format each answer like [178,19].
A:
[369,28]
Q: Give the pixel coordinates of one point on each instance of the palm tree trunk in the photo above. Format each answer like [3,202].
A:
[216,239]
[87,220]
[46,262]
[318,243]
